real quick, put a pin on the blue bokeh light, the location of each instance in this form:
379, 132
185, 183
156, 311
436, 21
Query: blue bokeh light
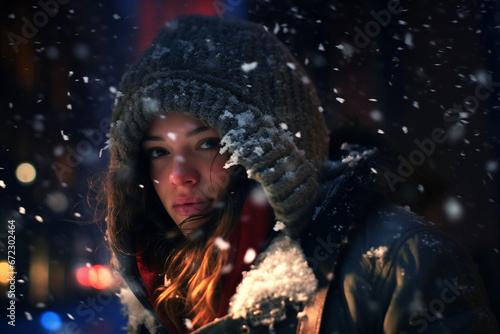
51, 321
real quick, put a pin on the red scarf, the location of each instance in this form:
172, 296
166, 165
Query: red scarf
249, 233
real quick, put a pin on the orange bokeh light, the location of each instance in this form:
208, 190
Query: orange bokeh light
99, 277
4, 272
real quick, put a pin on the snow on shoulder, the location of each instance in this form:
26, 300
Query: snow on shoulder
137, 314
281, 273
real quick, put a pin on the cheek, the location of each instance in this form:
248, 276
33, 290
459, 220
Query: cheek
158, 173
220, 176
159, 179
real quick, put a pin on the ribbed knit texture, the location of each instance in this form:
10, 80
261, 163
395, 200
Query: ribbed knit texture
239, 79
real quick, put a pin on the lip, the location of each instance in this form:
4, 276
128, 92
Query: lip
190, 205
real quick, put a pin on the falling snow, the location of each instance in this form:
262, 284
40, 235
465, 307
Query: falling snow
188, 323
376, 115
226, 269
151, 105
258, 197
166, 281
222, 244
64, 137
279, 226
250, 255
409, 40
491, 166
347, 50
453, 209
276, 28
247, 67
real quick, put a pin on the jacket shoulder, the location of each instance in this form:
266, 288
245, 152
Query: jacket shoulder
390, 236
400, 274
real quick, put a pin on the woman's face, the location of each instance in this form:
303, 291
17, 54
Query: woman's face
186, 167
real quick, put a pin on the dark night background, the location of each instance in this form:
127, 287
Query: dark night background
395, 75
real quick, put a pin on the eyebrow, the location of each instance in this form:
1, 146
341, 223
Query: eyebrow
196, 131
189, 134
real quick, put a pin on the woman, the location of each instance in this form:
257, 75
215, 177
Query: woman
225, 214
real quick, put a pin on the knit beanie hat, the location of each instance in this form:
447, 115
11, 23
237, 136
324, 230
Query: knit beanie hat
239, 79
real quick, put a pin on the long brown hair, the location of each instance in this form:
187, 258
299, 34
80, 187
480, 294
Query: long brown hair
192, 266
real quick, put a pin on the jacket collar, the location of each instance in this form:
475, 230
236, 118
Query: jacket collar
349, 187
289, 272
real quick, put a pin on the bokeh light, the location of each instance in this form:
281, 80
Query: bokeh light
82, 276
453, 209
100, 277
51, 321
57, 201
26, 173
4, 269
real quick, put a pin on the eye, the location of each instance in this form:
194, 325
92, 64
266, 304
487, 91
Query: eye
156, 153
210, 144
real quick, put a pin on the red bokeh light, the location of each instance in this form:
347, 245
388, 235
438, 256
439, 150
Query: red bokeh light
97, 276
82, 276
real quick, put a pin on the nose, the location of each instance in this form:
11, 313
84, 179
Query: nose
183, 173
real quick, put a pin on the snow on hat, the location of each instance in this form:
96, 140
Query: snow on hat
239, 79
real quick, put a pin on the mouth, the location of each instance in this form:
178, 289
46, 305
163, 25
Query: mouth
190, 205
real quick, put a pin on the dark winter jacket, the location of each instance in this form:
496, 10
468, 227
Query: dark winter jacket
385, 269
